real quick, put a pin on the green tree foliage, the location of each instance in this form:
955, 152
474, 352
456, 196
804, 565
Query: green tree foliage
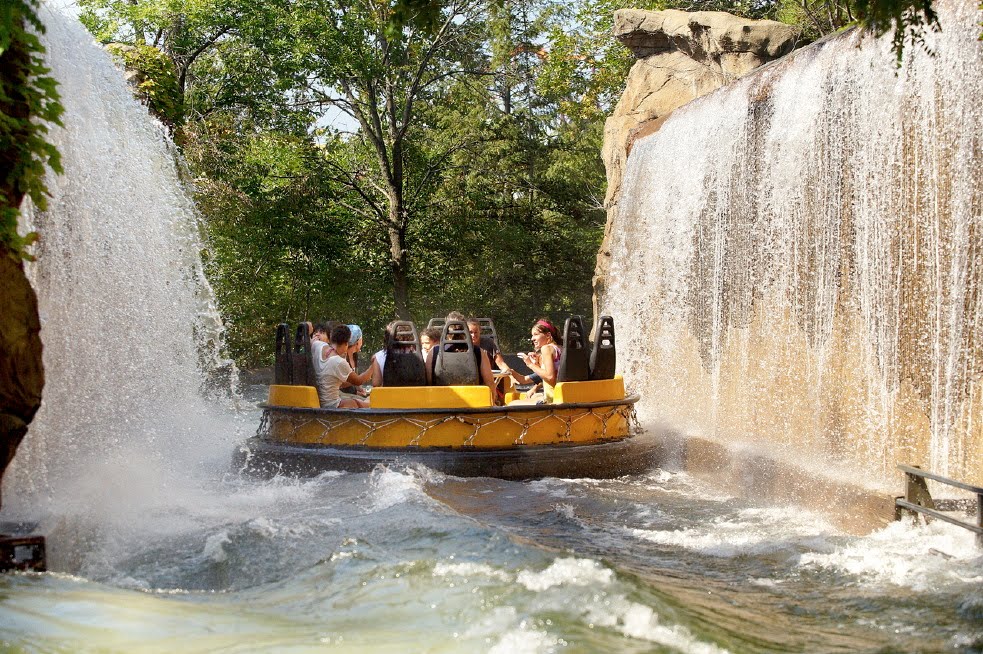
28, 103
519, 218
584, 68
259, 184
367, 159
350, 63
271, 252
907, 20
155, 82
194, 57
519, 223
182, 31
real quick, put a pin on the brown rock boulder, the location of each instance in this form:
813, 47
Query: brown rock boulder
681, 56
21, 371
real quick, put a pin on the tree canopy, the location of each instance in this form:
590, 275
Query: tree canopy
368, 159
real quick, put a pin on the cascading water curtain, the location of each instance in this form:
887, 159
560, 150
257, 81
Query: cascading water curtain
129, 326
799, 258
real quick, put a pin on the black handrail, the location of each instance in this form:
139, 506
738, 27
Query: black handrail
917, 499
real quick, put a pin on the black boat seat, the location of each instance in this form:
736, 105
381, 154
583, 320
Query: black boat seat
489, 336
488, 333
574, 359
300, 359
603, 355
404, 365
282, 370
456, 364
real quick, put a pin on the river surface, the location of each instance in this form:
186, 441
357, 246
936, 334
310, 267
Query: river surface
410, 560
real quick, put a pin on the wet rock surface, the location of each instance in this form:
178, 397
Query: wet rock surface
681, 56
21, 371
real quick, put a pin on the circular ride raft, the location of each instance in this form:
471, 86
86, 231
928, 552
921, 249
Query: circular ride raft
592, 439
445, 422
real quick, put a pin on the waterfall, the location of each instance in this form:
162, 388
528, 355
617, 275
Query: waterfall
129, 326
799, 258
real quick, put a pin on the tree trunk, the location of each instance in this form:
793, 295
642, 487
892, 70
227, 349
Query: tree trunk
398, 259
398, 224
400, 268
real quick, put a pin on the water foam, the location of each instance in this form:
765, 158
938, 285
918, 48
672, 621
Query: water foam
392, 487
642, 623
753, 531
566, 572
525, 640
920, 557
468, 570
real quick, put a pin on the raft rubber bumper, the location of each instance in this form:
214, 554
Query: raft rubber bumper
262, 458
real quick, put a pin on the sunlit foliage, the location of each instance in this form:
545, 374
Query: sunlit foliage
29, 102
367, 159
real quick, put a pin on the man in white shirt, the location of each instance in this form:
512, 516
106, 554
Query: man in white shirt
331, 368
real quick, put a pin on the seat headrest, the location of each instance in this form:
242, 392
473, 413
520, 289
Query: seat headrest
575, 359
456, 364
283, 370
303, 366
603, 357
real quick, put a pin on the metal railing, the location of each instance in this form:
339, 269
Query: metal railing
917, 499
19, 550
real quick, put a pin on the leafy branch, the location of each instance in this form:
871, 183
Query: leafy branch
29, 102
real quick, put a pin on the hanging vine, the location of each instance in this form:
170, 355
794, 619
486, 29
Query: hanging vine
29, 103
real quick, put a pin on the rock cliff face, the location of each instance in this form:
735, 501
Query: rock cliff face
21, 371
797, 263
681, 56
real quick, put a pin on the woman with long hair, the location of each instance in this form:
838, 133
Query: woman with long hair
545, 360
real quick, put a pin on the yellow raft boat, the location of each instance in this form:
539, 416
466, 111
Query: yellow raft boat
586, 432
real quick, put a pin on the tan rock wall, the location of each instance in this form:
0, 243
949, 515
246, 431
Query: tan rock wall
798, 264
681, 56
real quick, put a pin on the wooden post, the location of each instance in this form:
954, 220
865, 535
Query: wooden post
916, 490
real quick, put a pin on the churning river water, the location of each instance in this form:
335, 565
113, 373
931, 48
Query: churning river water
401, 560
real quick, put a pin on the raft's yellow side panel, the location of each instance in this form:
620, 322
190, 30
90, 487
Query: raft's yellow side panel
551, 426
299, 396
602, 390
431, 397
